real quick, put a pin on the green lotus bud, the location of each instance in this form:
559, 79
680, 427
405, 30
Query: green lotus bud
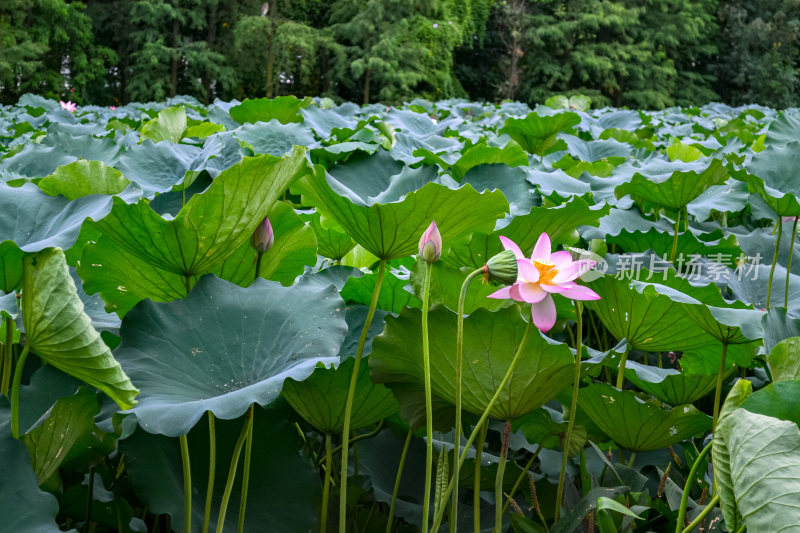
501, 268
263, 237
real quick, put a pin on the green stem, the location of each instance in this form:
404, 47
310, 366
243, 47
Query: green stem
259, 256
573, 406
687, 488
459, 370
742, 529
15, 391
348, 407
631, 459
789, 266
8, 355
498, 480
212, 468
437, 519
397, 479
426, 361
187, 485
622, 362
248, 451
702, 516
521, 476
357, 438
237, 451
774, 261
326, 487
720, 379
476, 484
675, 237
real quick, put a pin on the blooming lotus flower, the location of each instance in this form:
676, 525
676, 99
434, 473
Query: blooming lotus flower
69, 106
430, 244
112, 107
544, 274
263, 237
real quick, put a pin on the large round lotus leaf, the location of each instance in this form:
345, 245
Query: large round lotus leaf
59, 331
10, 266
285, 488
284, 109
320, 398
83, 178
23, 506
169, 125
770, 174
757, 455
34, 220
446, 284
669, 385
784, 359
646, 318
332, 241
392, 230
559, 223
678, 189
688, 243
224, 347
212, 225
539, 134
638, 425
490, 342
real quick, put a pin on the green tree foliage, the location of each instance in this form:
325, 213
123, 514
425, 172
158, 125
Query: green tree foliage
636, 53
760, 38
47, 47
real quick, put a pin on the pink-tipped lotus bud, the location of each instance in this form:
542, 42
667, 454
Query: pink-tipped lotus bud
430, 244
263, 237
502, 268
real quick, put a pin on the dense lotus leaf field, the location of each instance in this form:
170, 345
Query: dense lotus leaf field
240, 317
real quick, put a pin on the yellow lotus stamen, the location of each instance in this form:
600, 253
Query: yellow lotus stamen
547, 270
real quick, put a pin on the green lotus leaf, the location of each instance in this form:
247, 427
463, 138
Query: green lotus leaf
62, 334
203, 130
646, 425
157, 168
511, 155
23, 506
711, 245
731, 197
320, 398
284, 486
490, 342
678, 189
10, 266
67, 431
35, 221
169, 125
294, 248
333, 242
780, 399
784, 360
83, 178
784, 129
538, 134
669, 385
273, 137
646, 318
758, 460
560, 223
393, 296
572, 520
284, 109
770, 175
578, 102
512, 182
123, 279
392, 230
212, 225
225, 347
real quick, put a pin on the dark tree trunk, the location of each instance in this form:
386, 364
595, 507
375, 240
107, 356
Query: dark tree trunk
367, 79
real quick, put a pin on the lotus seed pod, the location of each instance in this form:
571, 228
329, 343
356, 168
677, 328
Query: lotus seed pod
501, 268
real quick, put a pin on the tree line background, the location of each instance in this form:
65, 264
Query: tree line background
638, 53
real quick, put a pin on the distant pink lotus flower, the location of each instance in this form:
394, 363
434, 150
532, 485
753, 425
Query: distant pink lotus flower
788, 219
544, 274
69, 106
112, 107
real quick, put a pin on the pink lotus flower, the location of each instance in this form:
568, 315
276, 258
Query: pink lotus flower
430, 244
112, 107
544, 274
69, 106
788, 219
